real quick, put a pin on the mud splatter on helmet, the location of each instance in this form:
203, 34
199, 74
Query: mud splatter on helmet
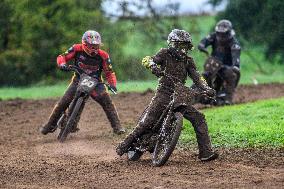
180, 40
91, 42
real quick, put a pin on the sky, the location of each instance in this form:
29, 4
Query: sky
186, 6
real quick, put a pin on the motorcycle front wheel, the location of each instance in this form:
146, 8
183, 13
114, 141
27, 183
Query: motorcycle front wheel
71, 121
168, 138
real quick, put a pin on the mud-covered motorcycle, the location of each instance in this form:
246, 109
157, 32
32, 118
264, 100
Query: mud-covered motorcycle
70, 118
162, 138
215, 80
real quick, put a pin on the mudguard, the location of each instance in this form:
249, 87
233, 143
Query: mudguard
184, 96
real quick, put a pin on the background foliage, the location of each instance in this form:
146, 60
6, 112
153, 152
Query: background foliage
34, 32
259, 22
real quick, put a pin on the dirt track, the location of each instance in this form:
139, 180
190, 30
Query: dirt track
88, 160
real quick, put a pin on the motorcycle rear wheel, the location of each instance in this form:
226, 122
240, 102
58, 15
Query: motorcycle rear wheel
169, 135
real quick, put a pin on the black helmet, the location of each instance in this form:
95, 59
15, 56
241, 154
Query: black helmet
180, 40
224, 30
223, 26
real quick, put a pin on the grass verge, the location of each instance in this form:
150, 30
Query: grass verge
258, 124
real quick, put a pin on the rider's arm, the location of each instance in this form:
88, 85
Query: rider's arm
197, 79
157, 59
236, 52
107, 68
205, 42
62, 59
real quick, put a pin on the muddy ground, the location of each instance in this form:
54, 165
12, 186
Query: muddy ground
88, 160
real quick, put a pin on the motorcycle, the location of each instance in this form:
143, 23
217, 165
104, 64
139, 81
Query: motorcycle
162, 138
70, 118
215, 80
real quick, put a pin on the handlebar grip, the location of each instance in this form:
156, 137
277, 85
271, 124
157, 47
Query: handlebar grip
110, 88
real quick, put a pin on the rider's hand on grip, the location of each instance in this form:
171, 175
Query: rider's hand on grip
236, 69
147, 61
64, 67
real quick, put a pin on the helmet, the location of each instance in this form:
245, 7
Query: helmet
180, 40
224, 30
223, 26
91, 42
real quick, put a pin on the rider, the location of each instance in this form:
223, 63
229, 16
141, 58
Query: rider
89, 57
174, 62
226, 49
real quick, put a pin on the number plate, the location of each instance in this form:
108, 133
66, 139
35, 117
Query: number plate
88, 83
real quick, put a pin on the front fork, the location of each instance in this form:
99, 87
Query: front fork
64, 117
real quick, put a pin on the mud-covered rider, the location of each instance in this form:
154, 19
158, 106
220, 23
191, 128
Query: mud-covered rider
173, 61
227, 50
94, 61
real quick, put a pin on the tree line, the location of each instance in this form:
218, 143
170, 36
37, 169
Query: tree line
34, 32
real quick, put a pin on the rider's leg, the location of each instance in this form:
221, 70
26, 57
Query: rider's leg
199, 124
103, 98
154, 111
230, 79
218, 83
60, 107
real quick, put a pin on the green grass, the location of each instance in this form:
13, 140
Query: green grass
57, 90
258, 124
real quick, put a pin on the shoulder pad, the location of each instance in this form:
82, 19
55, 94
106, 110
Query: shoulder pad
77, 47
74, 48
103, 54
211, 36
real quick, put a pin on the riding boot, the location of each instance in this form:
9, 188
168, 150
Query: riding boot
105, 101
199, 124
59, 108
124, 146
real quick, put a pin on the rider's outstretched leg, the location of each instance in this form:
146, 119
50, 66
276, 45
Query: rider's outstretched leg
199, 124
152, 114
230, 80
60, 107
105, 101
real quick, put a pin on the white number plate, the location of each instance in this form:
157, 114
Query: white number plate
87, 83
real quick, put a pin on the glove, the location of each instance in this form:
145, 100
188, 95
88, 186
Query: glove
147, 61
236, 69
64, 67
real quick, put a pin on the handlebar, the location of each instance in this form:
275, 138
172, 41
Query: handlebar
201, 92
80, 71
77, 69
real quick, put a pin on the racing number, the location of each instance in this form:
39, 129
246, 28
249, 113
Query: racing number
87, 83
